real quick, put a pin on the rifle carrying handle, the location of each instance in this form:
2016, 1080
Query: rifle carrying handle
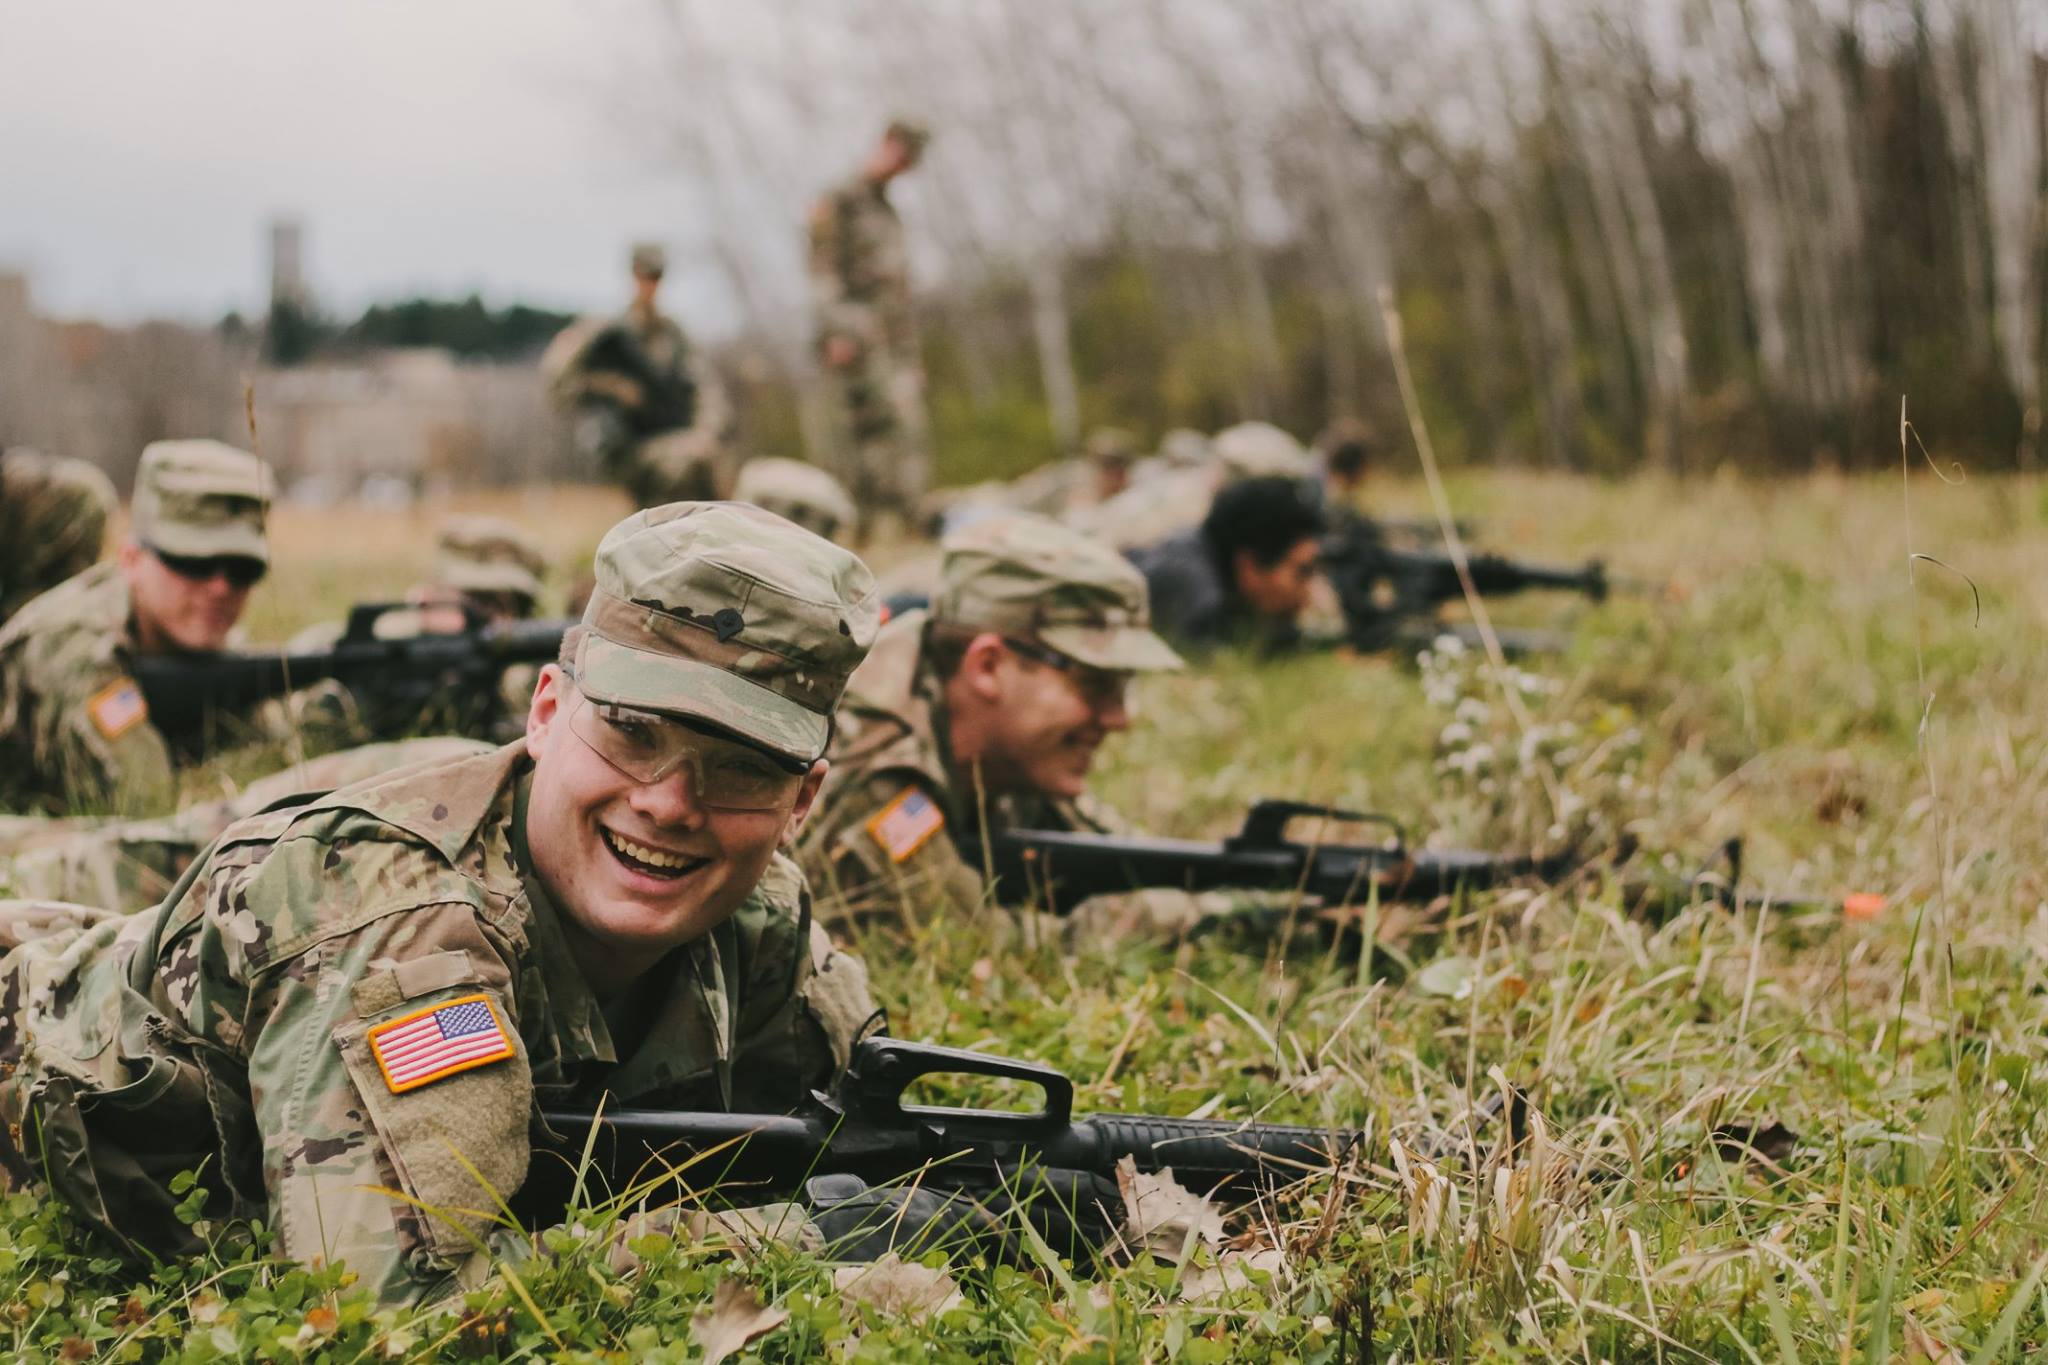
1265, 825
881, 1069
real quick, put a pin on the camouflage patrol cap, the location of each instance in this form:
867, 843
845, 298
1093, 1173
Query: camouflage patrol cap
1184, 447
1259, 450
727, 614
202, 498
1111, 446
804, 493
649, 258
490, 554
1031, 577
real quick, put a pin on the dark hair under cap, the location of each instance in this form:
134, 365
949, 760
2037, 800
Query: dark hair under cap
1268, 517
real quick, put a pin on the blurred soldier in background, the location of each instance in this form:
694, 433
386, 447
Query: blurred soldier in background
867, 334
1068, 490
799, 492
1174, 502
487, 571
129, 865
1343, 456
646, 409
53, 522
1246, 574
74, 727
991, 705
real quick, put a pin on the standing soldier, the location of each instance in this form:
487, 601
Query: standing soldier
867, 335
53, 523
645, 407
74, 727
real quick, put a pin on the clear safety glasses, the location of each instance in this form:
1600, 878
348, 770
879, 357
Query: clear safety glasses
724, 774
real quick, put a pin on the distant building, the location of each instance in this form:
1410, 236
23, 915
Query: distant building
288, 266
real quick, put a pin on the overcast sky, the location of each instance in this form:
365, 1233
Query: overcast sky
429, 146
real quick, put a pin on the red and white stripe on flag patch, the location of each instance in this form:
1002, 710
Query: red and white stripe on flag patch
439, 1041
904, 825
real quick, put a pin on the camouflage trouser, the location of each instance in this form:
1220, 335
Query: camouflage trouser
883, 439
131, 864
53, 520
675, 466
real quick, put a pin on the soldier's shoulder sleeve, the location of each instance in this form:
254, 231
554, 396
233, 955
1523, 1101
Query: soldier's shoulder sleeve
385, 1053
887, 845
93, 742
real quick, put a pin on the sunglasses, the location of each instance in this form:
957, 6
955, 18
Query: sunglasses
724, 774
1099, 687
239, 570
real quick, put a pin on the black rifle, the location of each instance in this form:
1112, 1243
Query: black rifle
865, 1130
668, 397
449, 680
1384, 592
1058, 869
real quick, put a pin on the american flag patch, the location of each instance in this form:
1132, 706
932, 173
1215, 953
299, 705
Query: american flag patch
117, 708
903, 826
439, 1041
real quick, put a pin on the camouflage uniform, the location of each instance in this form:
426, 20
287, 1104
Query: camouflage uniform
53, 523
239, 1027
803, 493
663, 437
130, 865
74, 728
860, 291
897, 821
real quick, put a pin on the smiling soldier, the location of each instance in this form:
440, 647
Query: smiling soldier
996, 700
74, 728
348, 1014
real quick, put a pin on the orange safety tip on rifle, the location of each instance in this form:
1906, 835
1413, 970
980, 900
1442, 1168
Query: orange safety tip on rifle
1863, 905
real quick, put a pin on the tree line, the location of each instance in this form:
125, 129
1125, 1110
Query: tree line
1621, 233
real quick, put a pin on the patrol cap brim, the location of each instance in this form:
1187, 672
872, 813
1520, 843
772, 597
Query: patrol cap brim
470, 576
239, 538
1122, 649
608, 671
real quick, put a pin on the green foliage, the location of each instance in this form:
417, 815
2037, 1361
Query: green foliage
465, 326
1770, 682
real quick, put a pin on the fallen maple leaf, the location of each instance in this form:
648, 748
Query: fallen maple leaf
734, 1318
894, 1285
1205, 1283
1921, 1342
1163, 1216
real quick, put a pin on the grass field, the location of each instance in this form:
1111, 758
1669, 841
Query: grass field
1751, 1137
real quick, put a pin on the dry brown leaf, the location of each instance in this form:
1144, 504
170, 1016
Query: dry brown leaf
1204, 1284
1160, 1213
895, 1285
734, 1318
1923, 1344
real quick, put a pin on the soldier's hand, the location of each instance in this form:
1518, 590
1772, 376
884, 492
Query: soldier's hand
841, 351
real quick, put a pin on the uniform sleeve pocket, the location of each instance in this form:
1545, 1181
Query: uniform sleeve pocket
447, 1087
